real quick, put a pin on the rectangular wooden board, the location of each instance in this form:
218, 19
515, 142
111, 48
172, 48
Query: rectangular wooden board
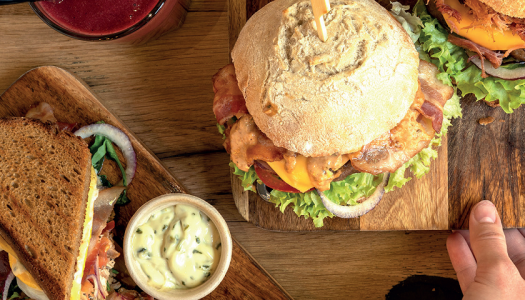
474, 163
73, 102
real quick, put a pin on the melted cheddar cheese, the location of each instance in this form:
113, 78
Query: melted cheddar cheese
487, 37
298, 178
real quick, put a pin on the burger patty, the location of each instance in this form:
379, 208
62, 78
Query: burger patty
246, 143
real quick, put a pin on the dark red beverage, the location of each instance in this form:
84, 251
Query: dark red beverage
133, 21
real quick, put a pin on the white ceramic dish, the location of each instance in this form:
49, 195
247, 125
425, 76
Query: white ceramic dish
161, 202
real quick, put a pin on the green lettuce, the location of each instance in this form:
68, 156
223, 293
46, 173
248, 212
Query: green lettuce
452, 62
410, 22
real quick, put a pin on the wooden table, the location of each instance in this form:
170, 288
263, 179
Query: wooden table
162, 92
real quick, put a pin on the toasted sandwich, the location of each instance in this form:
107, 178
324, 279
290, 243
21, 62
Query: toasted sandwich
48, 191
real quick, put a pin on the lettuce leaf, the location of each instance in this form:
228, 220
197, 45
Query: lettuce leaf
452, 62
410, 22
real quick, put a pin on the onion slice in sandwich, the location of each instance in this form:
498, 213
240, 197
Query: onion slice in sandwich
7, 284
118, 137
343, 211
501, 72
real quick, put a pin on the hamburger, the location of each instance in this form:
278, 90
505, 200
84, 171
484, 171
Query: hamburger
479, 45
329, 126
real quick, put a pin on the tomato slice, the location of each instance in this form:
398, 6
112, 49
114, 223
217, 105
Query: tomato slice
273, 181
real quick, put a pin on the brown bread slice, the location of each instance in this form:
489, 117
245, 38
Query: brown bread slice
44, 185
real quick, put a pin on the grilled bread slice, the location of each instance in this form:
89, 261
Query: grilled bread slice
44, 184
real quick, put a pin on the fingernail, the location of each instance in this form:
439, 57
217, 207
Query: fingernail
485, 212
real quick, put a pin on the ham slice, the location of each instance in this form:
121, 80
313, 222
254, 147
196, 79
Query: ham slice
101, 244
228, 101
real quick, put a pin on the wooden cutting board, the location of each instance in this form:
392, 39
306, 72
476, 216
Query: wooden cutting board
477, 162
73, 102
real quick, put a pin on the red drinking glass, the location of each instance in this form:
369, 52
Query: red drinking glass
125, 21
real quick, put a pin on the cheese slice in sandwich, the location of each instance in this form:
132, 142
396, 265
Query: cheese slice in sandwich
48, 188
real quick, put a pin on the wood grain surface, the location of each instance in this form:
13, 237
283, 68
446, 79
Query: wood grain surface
485, 162
73, 102
162, 92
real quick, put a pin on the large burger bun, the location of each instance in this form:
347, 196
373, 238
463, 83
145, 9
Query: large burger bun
319, 98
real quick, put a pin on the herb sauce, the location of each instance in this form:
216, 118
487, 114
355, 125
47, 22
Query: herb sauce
177, 248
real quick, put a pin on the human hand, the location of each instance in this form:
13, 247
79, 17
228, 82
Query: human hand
489, 262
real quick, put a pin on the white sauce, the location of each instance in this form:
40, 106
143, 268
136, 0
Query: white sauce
177, 248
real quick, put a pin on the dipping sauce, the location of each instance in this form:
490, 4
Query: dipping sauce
178, 247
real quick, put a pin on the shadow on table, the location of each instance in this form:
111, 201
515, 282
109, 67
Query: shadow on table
426, 287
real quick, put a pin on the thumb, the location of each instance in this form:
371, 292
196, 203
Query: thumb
488, 242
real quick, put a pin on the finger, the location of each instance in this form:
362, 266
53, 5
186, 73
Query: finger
488, 244
462, 259
516, 249
465, 234
522, 231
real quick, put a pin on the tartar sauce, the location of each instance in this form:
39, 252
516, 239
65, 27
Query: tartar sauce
178, 247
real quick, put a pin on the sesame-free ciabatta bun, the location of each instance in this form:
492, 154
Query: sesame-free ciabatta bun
319, 98
513, 8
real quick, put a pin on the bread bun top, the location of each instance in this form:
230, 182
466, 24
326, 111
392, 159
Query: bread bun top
319, 98
513, 8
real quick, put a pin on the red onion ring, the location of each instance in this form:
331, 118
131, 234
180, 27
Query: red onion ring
343, 211
94, 280
97, 275
7, 284
120, 139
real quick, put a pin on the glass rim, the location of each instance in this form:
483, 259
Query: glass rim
97, 38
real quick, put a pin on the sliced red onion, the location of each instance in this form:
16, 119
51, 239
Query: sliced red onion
97, 275
94, 280
7, 284
118, 137
503, 73
360, 209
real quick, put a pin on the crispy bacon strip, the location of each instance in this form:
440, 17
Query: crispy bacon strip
495, 58
435, 92
228, 100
